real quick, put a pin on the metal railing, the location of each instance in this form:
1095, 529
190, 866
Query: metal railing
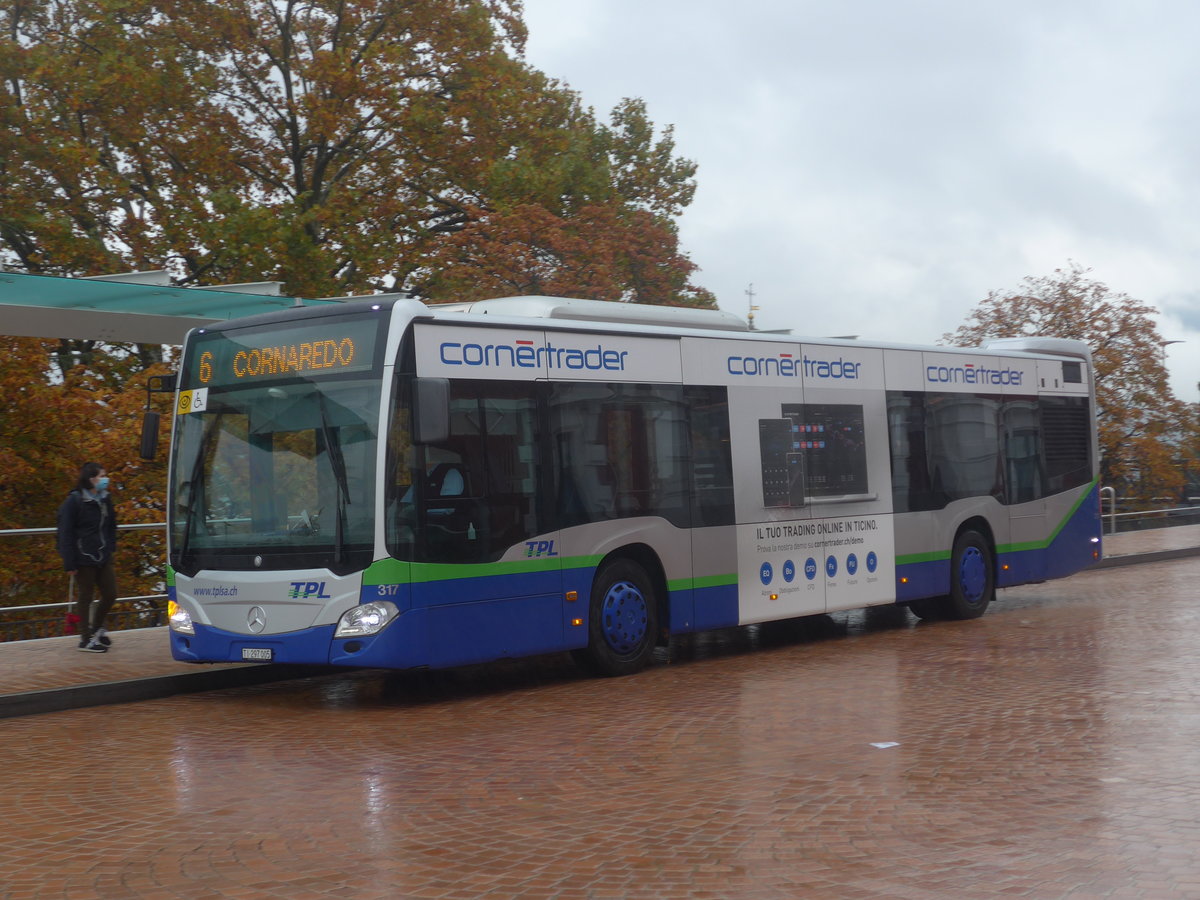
1111, 494
149, 616
149, 610
1143, 519
142, 611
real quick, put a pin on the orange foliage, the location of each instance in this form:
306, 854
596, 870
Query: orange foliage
1141, 423
336, 147
47, 430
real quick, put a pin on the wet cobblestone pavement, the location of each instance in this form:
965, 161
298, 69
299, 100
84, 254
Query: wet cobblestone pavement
1050, 749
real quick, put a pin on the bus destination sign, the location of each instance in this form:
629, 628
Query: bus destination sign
319, 347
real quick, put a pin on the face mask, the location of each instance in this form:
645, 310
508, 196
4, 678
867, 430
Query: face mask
102, 483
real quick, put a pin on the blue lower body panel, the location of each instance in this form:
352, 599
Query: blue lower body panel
208, 644
716, 607
1074, 547
924, 579
432, 636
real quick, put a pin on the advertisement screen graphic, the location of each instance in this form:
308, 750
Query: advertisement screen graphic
831, 439
782, 466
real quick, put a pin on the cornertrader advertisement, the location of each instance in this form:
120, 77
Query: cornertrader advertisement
810, 566
450, 351
808, 426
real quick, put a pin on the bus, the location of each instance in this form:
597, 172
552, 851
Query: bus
387, 484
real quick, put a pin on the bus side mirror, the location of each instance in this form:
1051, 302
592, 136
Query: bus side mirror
431, 397
155, 384
160, 384
149, 447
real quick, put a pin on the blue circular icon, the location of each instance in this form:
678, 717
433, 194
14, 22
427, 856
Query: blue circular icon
789, 571
766, 573
872, 561
851, 564
810, 568
831, 566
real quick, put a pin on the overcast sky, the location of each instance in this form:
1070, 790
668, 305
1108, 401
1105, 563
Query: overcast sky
876, 167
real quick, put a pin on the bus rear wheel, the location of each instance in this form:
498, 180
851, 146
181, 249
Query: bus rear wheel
972, 582
972, 577
622, 620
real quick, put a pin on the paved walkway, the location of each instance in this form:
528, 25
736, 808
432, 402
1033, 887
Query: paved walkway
1151, 544
1047, 750
50, 674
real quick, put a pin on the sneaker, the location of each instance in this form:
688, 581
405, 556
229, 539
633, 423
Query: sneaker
102, 636
93, 646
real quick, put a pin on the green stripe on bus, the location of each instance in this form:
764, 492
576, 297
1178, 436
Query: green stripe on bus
704, 581
386, 571
939, 555
1042, 545
912, 558
393, 571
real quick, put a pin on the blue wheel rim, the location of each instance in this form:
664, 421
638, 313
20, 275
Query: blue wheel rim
972, 575
623, 617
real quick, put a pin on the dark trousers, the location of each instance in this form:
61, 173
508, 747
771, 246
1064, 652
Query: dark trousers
88, 579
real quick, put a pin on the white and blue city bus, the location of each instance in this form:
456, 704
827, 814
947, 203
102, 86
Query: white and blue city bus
395, 485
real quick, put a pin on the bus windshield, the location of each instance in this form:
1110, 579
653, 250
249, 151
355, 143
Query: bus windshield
278, 476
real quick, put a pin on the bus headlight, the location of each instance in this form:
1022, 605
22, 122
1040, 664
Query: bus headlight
369, 618
179, 619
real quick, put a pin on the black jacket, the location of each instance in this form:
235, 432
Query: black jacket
87, 530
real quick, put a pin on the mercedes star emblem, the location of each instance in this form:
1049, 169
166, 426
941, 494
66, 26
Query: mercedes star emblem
256, 619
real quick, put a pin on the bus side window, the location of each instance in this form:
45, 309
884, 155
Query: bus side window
1022, 453
622, 451
711, 460
964, 446
912, 487
1066, 441
480, 484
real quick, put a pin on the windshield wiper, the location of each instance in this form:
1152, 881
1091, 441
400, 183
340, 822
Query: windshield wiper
341, 486
196, 484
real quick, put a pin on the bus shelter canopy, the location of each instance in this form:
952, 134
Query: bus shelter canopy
123, 308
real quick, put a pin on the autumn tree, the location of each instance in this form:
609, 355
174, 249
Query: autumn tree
47, 429
552, 228
336, 147
1139, 419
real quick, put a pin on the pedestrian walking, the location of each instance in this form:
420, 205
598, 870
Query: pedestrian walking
87, 538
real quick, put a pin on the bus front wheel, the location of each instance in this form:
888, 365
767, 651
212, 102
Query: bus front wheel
622, 620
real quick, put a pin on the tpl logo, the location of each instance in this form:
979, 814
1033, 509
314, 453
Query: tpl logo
540, 548
306, 590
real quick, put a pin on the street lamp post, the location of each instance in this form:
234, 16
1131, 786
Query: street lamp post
1162, 346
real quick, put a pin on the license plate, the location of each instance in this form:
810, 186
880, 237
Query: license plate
261, 654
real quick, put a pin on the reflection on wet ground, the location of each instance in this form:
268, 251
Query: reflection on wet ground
1046, 750
425, 686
